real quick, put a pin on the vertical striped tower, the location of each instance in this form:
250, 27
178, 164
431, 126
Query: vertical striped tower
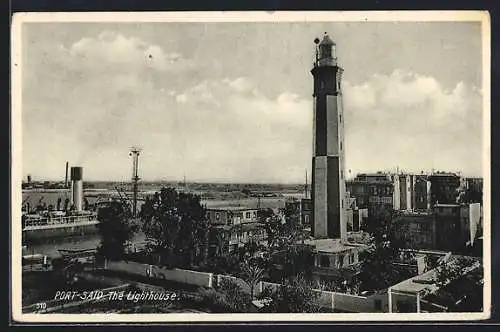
328, 184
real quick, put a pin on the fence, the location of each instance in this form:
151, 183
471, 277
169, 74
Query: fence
341, 301
177, 275
330, 300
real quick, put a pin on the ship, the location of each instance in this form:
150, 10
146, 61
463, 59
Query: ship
51, 224
73, 220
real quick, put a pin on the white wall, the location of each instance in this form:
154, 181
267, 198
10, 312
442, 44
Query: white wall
346, 302
331, 300
177, 275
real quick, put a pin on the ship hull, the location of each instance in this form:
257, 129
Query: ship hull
40, 233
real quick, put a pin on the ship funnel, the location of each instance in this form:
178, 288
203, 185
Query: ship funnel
66, 178
76, 192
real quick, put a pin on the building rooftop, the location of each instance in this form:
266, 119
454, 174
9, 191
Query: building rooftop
422, 283
370, 180
230, 208
331, 245
446, 205
443, 174
417, 284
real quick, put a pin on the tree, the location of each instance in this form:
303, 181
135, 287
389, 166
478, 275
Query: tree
227, 297
377, 268
222, 260
295, 295
265, 215
116, 230
298, 260
292, 212
282, 235
455, 268
176, 228
252, 271
460, 283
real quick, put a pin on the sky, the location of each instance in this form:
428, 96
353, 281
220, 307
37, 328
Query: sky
232, 102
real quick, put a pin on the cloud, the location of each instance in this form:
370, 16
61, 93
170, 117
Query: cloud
89, 101
403, 119
410, 120
121, 53
236, 132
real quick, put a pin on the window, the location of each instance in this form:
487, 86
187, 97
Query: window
340, 115
217, 216
378, 304
306, 219
247, 215
324, 261
342, 174
340, 145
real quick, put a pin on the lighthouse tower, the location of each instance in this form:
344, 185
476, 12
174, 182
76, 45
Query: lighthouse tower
328, 182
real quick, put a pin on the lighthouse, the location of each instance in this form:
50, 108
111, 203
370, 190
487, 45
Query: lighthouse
328, 178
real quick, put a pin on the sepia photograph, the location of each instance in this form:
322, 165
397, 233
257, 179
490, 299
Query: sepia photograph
250, 166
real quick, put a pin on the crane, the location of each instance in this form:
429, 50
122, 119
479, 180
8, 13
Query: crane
134, 153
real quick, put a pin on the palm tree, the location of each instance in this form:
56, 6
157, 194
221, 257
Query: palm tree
221, 243
252, 273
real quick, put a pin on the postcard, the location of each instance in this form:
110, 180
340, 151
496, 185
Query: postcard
250, 166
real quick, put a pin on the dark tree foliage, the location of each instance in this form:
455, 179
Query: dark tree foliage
265, 215
377, 268
225, 264
284, 247
298, 260
176, 228
116, 230
454, 269
282, 235
291, 211
460, 282
295, 295
226, 297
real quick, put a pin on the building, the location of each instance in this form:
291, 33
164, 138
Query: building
416, 230
405, 191
328, 186
224, 239
448, 227
443, 188
334, 259
422, 193
302, 209
374, 192
471, 222
422, 293
471, 190
231, 215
